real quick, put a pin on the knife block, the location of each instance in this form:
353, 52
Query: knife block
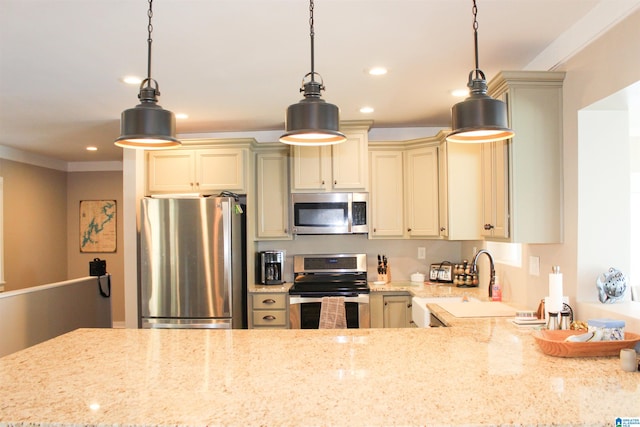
386, 278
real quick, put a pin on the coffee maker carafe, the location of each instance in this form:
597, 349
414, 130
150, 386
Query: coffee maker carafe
271, 267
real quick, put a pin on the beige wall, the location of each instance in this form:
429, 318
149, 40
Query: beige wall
96, 186
35, 225
41, 226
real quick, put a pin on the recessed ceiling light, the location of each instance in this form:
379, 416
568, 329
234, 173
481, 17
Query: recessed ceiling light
460, 92
92, 148
367, 110
181, 116
131, 80
377, 71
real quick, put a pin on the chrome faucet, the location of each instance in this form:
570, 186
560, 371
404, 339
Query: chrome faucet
492, 273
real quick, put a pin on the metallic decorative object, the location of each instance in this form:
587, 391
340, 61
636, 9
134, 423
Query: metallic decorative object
312, 121
479, 118
148, 125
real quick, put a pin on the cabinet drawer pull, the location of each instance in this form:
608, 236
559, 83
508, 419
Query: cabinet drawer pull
488, 227
269, 301
269, 317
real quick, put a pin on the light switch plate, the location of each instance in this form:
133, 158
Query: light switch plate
534, 266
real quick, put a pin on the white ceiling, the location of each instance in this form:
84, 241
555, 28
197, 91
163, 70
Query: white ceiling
235, 65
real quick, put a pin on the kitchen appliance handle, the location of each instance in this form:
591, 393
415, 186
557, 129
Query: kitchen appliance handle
299, 299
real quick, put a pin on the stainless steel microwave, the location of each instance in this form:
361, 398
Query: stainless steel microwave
329, 213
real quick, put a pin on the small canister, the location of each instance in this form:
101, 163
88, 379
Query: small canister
552, 323
565, 319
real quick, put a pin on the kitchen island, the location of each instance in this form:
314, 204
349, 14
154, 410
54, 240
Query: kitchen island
477, 372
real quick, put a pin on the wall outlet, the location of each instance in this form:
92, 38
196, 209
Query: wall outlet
534, 265
422, 253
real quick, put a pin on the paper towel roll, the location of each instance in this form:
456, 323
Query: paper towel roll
555, 290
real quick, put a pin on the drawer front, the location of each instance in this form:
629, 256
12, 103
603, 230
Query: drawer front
269, 301
269, 318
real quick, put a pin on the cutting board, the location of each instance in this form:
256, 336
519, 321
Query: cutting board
478, 309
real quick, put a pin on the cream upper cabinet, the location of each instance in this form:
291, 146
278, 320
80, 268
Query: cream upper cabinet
421, 192
272, 192
495, 190
386, 199
339, 167
527, 170
460, 190
197, 170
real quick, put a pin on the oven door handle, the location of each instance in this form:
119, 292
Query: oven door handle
299, 299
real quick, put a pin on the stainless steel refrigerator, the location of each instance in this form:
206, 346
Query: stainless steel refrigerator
192, 263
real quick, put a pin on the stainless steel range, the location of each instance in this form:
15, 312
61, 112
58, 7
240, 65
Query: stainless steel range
317, 276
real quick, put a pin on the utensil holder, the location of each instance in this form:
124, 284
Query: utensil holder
386, 278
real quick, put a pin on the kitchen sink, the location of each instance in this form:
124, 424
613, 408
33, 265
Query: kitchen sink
423, 317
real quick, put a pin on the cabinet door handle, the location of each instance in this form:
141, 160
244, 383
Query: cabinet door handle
408, 305
269, 317
409, 229
323, 182
269, 301
442, 228
335, 182
488, 227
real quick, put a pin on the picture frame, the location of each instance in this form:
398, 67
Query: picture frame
98, 226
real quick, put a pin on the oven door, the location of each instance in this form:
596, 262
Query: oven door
304, 311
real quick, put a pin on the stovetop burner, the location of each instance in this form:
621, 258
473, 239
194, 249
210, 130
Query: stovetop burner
330, 275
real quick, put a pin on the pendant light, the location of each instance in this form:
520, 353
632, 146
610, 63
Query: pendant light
148, 125
312, 121
479, 118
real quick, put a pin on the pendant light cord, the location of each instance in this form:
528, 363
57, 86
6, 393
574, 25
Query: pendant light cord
475, 34
312, 36
149, 42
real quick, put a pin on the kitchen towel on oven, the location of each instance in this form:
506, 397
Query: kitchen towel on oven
332, 313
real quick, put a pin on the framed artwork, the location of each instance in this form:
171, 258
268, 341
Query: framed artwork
97, 226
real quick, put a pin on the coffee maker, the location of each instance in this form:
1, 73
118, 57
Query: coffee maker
271, 267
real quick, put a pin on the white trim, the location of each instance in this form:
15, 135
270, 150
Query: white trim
20, 156
30, 158
606, 14
94, 166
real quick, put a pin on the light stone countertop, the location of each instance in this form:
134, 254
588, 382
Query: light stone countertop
477, 372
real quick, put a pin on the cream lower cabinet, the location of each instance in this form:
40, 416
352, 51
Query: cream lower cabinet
386, 198
272, 188
421, 192
268, 310
526, 188
197, 170
340, 167
390, 309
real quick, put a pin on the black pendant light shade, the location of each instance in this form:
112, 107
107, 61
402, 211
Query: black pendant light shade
147, 125
312, 121
479, 118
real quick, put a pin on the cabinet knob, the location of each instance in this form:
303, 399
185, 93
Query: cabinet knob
286, 231
488, 227
408, 305
269, 317
374, 230
335, 182
323, 182
409, 229
269, 301
443, 228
